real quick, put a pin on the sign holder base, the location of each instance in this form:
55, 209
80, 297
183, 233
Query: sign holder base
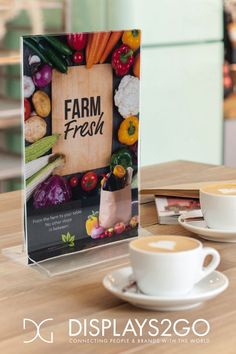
74, 261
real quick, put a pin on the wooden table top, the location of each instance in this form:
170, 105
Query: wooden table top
26, 293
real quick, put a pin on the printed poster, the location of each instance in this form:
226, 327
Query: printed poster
81, 129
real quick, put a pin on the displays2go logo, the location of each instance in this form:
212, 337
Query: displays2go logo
131, 328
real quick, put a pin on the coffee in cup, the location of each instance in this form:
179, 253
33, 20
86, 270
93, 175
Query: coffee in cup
170, 265
167, 244
218, 204
221, 189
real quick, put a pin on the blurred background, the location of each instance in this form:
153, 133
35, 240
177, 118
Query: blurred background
188, 67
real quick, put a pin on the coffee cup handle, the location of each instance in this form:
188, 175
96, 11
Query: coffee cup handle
208, 251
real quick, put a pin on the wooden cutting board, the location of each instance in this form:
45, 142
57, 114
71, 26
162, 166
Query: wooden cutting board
82, 112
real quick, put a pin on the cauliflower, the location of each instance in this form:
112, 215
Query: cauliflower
127, 96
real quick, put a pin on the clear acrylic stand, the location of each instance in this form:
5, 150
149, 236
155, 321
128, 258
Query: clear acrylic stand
74, 261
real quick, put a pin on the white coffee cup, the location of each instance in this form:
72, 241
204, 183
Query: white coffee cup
170, 265
218, 204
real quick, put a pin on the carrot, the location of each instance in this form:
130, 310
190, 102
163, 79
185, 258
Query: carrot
113, 40
88, 47
102, 46
94, 49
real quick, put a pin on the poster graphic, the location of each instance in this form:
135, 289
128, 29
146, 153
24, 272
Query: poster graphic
81, 128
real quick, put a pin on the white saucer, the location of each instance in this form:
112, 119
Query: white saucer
200, 228
206, 289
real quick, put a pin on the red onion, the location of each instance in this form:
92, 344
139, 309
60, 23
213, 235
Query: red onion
43, 76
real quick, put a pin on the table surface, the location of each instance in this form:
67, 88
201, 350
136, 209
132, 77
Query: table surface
26, 293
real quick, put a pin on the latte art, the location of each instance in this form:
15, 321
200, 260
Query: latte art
221, 189
165, 244
227, 190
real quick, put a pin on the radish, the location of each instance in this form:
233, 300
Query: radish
97, 231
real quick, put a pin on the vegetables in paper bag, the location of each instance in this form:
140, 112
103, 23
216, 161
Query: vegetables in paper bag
121, 157
115, 180
119, 171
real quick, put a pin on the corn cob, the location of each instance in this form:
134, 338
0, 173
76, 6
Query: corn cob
40, 147
40, 176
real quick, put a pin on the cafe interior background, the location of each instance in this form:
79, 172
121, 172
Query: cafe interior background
188, 88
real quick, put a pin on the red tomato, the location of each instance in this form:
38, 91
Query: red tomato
77, 41
27, 108
89, 181
78, 57
74, 181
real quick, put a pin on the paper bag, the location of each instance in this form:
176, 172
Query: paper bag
115, 207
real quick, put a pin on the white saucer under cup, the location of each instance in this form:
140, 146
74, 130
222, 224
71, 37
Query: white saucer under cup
118, 283
200, 228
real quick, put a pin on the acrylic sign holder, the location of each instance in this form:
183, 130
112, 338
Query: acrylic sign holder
61, 239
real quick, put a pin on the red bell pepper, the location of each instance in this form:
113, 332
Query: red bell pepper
122, 60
